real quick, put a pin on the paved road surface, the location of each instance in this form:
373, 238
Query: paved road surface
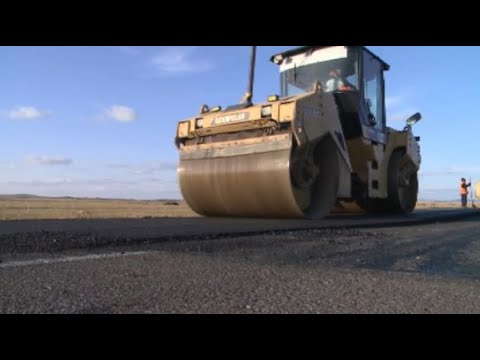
431, 267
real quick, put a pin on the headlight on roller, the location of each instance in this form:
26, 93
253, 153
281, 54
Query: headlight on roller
266, 111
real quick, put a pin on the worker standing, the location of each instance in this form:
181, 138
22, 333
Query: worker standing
464, 191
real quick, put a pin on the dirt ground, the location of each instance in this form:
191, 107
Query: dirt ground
12, 208
58, 208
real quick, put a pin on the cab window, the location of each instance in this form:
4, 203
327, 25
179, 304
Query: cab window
373, 90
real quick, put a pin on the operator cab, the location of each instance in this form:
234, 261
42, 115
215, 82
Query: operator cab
353, 74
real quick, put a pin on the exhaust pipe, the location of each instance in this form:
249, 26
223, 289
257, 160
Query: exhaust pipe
247, 98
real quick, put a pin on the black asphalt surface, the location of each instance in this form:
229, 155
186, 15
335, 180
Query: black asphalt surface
431, 264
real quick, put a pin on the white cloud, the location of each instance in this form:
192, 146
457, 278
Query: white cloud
391, 101
148, 189
461, 169
440, 172
49, 160
179, 60
120, 113
155, 167
7, 165
27, 113
467, 168
46, 182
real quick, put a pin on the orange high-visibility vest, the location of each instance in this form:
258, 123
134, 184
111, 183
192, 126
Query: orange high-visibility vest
463, 189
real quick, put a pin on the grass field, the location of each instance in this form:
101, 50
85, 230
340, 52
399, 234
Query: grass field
12, 208
28, 208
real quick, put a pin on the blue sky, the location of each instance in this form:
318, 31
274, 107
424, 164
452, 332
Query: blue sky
100, 121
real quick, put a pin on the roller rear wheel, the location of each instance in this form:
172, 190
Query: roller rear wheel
402, 185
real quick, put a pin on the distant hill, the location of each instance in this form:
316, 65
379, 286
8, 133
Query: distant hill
29, 196
26, 196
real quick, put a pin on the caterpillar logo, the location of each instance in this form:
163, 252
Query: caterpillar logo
231, 118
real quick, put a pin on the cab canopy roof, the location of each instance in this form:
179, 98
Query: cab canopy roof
306, 49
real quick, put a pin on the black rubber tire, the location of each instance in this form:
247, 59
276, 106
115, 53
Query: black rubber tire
324, 190
401, 200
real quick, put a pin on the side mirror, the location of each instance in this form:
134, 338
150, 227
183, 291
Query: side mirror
412, 120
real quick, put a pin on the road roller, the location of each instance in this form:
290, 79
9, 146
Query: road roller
320, 146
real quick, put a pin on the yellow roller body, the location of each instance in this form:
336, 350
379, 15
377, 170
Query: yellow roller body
253, 178
289, 164
302, 155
